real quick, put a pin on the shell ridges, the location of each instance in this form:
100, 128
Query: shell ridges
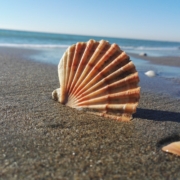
99, 77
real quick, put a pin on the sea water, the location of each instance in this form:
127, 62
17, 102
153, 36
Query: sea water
51, 47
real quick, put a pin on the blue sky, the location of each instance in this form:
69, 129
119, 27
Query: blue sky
139, 19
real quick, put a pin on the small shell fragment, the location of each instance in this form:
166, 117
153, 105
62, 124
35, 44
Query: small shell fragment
150, 73
100, 77
173, 148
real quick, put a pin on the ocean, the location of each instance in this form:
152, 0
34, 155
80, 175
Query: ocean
51, 47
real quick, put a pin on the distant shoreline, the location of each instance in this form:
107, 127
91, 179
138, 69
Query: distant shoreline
161, 60
173, 61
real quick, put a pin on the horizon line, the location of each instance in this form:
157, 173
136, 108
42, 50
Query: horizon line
47, 32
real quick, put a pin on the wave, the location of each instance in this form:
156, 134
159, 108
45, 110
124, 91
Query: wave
33, 45
151, 48
65, 46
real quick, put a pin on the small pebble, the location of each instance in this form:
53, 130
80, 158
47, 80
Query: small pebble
79, 109
150, 73
142, 54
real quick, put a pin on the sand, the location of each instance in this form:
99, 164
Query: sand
42, 139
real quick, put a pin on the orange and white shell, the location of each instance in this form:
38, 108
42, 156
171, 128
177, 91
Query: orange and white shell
98, 77
173, 148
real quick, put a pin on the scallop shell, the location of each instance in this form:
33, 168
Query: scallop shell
100, 78
173, 148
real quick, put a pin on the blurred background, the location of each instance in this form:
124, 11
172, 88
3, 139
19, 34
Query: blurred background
139, 27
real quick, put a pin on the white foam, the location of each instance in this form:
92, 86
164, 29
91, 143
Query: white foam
150, 48
142, 48
33, 45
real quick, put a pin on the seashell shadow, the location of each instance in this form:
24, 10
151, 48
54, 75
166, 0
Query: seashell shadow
168, 140
157, 115
170, 144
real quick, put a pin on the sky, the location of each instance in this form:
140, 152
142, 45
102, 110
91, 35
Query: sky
137, 19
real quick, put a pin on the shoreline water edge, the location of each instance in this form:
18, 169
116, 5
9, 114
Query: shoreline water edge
167, 69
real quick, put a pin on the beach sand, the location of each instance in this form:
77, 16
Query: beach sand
42, 139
